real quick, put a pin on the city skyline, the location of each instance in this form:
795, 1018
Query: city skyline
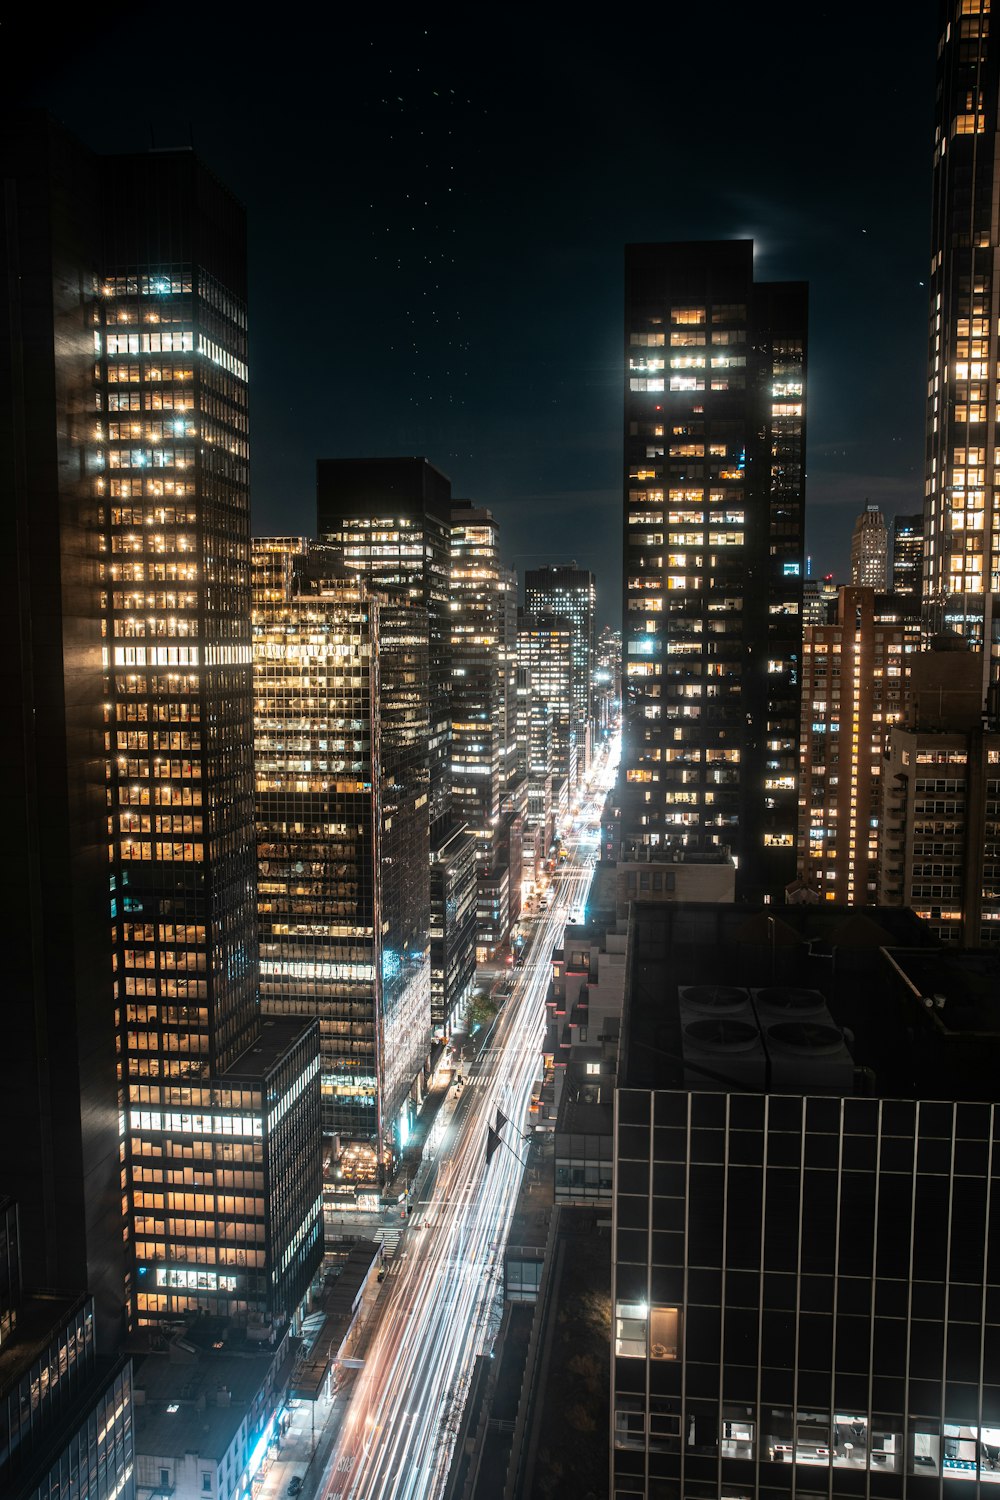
460, 1046
504, 187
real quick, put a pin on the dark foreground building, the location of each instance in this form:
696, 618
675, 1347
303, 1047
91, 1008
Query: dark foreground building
58, 1094
65, 1410
713, 556
806, 1235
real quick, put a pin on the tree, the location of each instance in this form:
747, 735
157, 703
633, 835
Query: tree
481, 1010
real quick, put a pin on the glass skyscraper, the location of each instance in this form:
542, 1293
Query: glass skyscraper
390, 520
478, 718
713, 556
142, 330
572, 593
343, 929
961, 516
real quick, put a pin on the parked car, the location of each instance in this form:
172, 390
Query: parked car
294, 1484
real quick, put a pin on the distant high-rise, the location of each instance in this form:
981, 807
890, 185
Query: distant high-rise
819, 600
940, 813
870, 550
390, 519
961, 512
508, 672
545, 649
855, 687
535, 755
713, 556
907, 554
477, 688
570, 592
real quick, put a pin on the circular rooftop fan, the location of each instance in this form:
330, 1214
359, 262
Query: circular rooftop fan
722, 1035
791, 1000
805, 1036
713, 996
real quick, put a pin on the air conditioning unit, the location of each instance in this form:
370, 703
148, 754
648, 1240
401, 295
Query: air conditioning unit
720, 1039
785, 1002
806, 1050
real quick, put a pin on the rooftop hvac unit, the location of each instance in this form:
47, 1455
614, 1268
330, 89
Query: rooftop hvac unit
808, 1056
786, 1003
712, 999
723, 1052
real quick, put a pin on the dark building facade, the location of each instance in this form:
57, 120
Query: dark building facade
58, 1092
453, 927
65, 1410
940, 811
807, 1252
908, 555
713, 555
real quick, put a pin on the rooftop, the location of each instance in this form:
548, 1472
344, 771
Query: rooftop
878, 1030
193, 1400
277, 1035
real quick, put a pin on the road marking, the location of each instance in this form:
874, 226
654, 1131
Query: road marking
390, 1241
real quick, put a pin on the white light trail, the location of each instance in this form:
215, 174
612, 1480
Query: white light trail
399, 1428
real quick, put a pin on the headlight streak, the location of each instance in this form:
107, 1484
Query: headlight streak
400, 1426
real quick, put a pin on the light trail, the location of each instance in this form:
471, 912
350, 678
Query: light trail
399, 1428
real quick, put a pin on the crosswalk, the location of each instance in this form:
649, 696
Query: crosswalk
390, 1240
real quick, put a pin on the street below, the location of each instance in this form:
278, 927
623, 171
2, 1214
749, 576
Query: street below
441, 1301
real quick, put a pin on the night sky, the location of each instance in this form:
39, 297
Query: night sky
437, 211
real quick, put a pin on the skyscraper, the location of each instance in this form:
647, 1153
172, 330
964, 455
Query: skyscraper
478, 759
481, 769
940, 814
870, 550
148, 526
572, 593
855, 687
908, 554
961, 514
545, 649
713, 555
390, 519
343, 930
